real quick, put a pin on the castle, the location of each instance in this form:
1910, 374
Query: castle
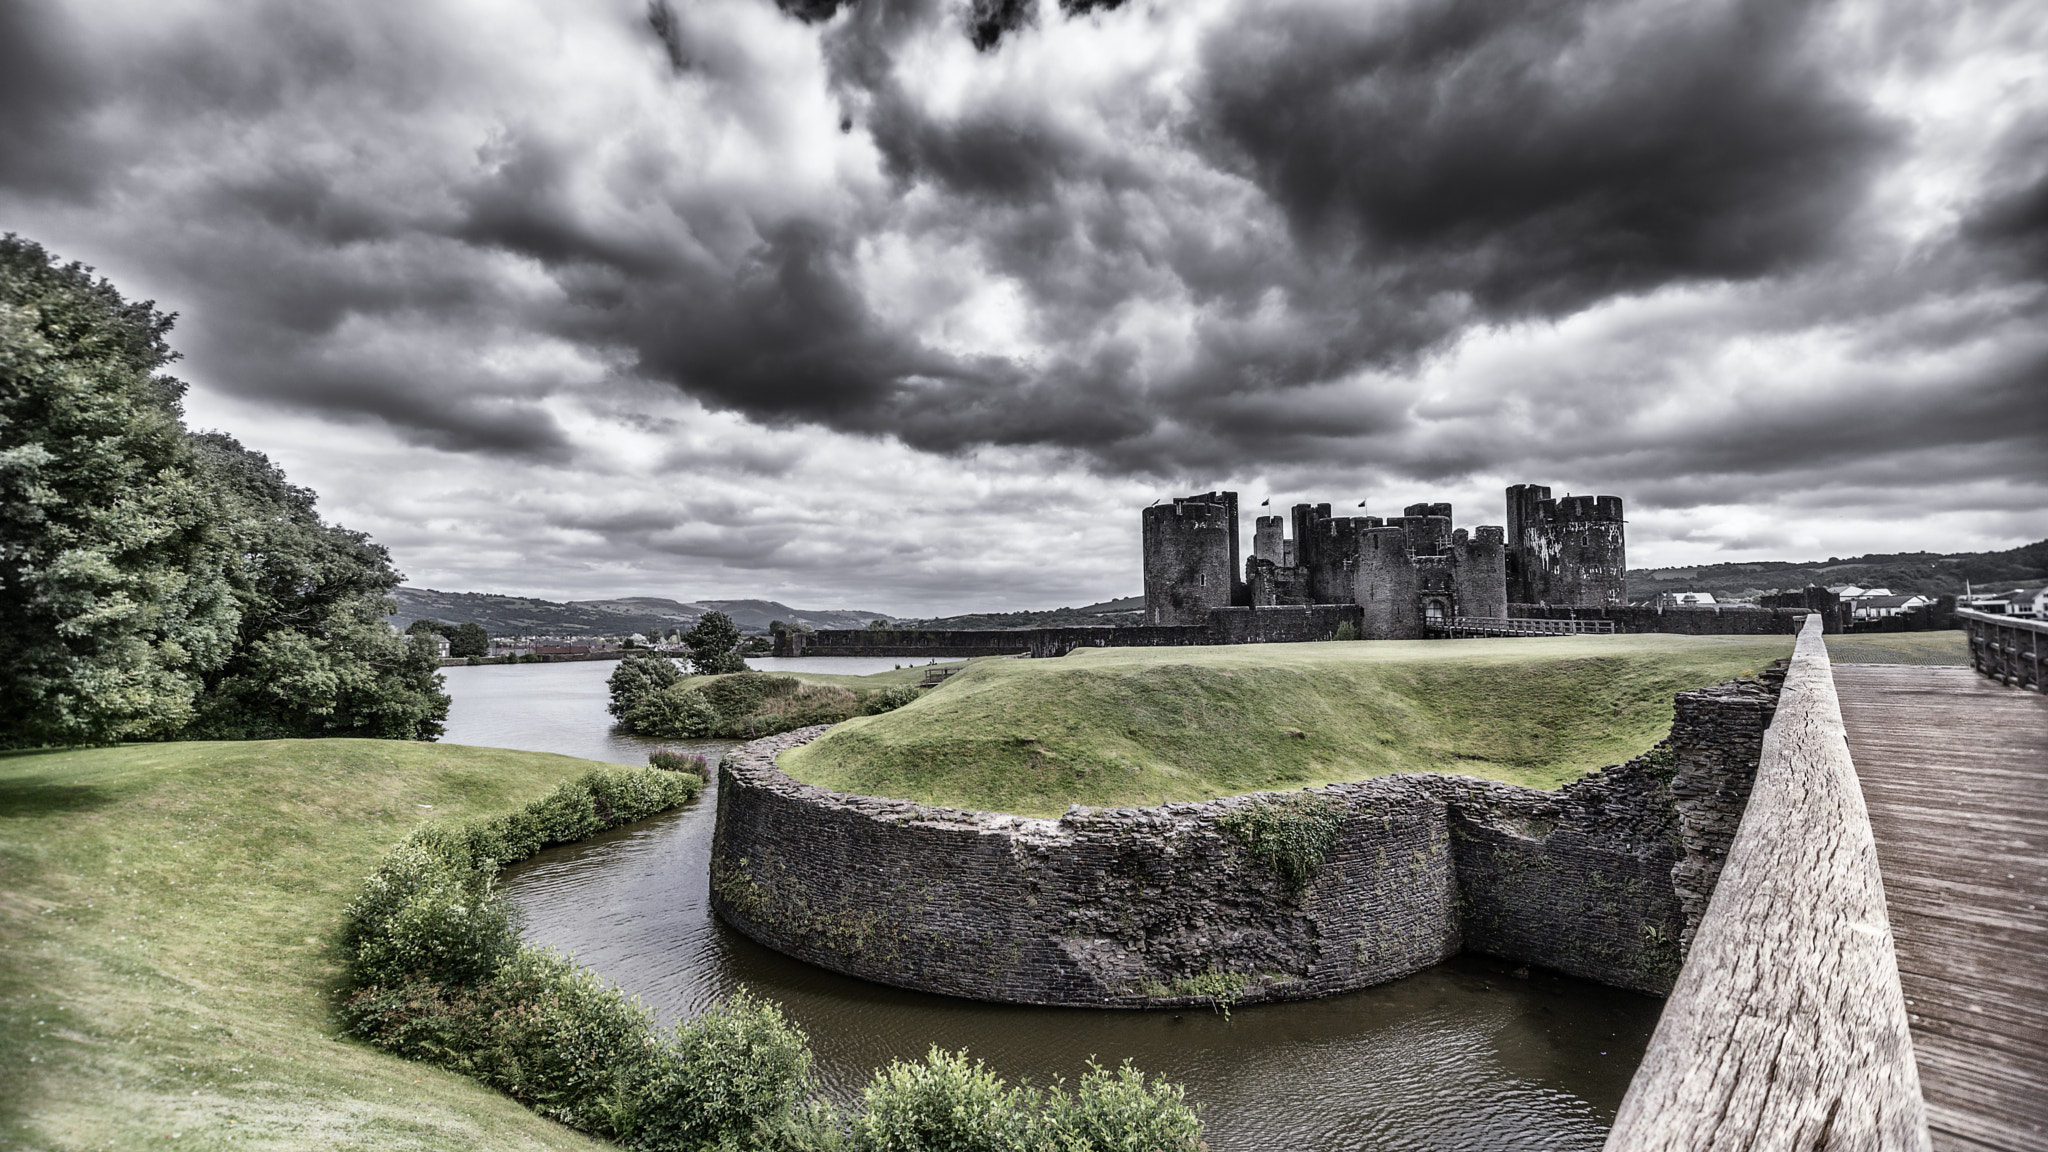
1404, 573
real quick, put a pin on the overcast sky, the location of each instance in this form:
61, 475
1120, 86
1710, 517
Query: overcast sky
911, 306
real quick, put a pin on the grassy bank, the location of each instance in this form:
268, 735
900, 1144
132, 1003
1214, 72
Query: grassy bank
1113, 727
1952, 647
166, 964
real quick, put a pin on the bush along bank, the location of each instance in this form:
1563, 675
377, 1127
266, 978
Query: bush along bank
436, 972
651, 698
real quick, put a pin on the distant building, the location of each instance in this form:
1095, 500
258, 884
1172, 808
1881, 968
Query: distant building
1879, 607
2030, 602
1685, 599
561, 649
510, 648
1406, 573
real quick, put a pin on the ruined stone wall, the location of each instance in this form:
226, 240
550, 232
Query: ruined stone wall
1045, 642
1190, 903
1275, 584
1705, 620
950, 643
1281, 624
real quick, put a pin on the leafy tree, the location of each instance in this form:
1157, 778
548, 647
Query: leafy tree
114, 589
313, 656
469, 640
638, 676
713, 645
157, 584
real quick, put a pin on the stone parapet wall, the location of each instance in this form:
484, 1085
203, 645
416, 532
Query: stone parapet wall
1702, 620
1179, 904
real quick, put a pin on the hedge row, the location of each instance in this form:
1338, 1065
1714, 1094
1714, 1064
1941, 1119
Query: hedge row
436, 972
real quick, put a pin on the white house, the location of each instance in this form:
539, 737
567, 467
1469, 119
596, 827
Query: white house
1878, 607
2028, 602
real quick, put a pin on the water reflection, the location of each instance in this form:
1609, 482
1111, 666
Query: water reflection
1465, 1056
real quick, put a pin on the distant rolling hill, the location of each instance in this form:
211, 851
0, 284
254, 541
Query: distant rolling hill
525, 616
1934, 574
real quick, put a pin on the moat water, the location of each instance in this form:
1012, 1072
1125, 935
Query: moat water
1466, 1056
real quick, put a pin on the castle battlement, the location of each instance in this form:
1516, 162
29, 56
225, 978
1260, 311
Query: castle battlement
1403, 572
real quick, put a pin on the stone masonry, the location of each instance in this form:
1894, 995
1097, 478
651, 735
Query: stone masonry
1178, 904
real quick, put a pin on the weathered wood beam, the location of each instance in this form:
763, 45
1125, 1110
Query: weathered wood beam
1787, 1029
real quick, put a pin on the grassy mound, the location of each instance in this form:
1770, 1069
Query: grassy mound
166, 963
1130, 726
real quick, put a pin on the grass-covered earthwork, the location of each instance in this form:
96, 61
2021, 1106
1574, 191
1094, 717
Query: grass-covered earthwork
167, 963
1952, 647
1134, 726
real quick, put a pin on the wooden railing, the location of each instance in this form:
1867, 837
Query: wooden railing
2006, 648
1454, 627
1787, 1029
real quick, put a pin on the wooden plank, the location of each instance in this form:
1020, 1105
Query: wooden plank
1787, 1029
1954, 769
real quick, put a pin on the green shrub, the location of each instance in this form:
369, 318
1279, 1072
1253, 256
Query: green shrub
942, 1105
1120, 1111
674, 713
639, 676
544, 1031
428, 915
715, 1080
889, 699
1347, 631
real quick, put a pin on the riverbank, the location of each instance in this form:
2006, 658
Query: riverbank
167, 968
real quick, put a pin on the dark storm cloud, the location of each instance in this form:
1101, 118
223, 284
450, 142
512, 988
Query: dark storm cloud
1331, 198
1436, 166
2010, 219
43, 97
1539, 155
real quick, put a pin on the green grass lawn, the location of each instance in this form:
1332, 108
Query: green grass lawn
1901, 648
166, 913
1109, 727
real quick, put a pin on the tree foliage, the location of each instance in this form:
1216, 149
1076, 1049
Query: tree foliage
638, 676
114, 593
314, 656
156, 584
469, 639
713, 643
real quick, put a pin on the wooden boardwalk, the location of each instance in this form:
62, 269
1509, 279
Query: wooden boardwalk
1954, 770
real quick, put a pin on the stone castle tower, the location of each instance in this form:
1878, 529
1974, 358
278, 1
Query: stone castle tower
1405, 572
1566, 553
1191, 559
